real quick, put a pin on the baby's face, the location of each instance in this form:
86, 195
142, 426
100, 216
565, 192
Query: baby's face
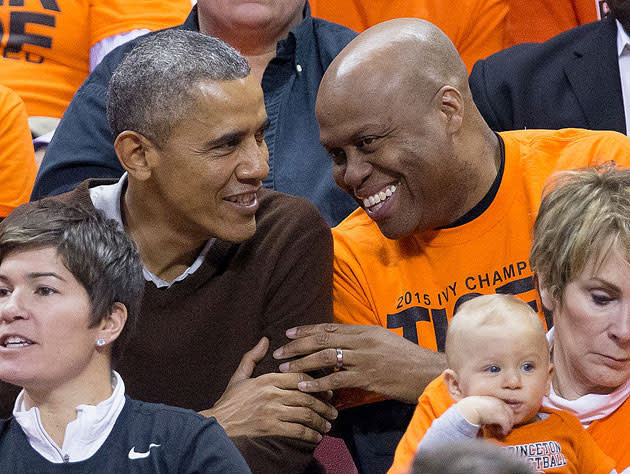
510, 363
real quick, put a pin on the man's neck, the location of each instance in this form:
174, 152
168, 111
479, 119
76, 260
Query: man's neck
166, 250
258, 45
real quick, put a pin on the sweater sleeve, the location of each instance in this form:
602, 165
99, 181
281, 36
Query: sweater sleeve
448, 428
299, 292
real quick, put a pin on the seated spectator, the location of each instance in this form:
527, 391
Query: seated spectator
580, 254
288, 52
49, 47
70, 289
447, 210
476, 27
470, 457
538, 20
575, 79
17, 158
229, 266
498, 373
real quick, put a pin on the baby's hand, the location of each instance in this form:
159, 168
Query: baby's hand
487, 411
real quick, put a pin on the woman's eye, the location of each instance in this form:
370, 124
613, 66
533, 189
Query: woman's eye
601, 299
4, 292
45, 291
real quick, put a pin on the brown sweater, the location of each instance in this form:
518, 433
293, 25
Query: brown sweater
190, 337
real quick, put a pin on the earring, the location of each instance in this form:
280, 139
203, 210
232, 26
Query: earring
100, 342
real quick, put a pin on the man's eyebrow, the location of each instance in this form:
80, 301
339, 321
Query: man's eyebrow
235, 136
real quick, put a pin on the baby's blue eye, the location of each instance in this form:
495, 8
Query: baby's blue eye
527, 367
494, 369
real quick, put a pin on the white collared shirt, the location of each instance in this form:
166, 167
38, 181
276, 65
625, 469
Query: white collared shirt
107, 199
623, 53
84, 435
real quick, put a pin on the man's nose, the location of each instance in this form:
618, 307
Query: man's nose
255, 163
356, 170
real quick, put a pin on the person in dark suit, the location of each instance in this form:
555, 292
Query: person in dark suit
571, 80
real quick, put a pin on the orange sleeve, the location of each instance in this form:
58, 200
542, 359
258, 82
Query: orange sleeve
113, 17
433, 402
17, 157
548, 19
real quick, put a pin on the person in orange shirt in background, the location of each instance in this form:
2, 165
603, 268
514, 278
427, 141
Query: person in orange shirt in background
48, 47
17, 157
476, 27
539, 20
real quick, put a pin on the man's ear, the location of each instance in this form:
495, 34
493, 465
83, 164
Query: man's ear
134, 152
452, 108
452, 384
112, 325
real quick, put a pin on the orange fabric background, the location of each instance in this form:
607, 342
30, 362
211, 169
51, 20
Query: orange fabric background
476, 27
17, 157
539, 20
46, 76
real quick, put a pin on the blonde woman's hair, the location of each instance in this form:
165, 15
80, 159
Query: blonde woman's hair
583, 214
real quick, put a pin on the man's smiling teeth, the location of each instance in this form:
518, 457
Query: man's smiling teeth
379, 197
16, 341
243, 199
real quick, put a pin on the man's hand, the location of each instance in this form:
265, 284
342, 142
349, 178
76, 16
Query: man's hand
374, 359
490, 412
271, 404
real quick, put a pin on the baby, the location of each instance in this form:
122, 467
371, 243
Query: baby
498, 373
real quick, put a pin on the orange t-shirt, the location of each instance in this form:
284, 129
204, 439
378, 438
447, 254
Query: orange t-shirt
45, 44
17, 156
474, 26
607, 433
413, 285
539, 20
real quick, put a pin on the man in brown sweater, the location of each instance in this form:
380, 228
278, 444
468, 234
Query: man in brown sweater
229, 266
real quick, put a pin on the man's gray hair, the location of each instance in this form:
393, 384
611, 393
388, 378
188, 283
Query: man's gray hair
150, 90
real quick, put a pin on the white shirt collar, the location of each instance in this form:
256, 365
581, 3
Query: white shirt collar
623, 40
84, 435
107, 199
589, 407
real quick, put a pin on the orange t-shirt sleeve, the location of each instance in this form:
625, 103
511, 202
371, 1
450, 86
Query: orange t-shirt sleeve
113, 17
433, 402
17, 157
